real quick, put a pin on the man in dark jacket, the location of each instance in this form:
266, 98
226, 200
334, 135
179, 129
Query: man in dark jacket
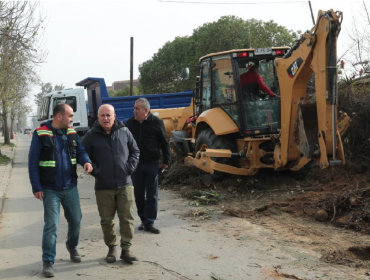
150, 134
115, 155
54, 151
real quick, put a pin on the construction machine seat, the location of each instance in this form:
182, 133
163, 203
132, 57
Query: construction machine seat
250, 92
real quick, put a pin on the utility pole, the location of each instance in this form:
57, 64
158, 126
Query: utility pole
131, 65
313, 20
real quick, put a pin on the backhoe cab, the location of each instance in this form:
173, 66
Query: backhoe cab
239, 130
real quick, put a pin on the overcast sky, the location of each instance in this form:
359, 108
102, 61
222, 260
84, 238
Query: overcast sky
92, 38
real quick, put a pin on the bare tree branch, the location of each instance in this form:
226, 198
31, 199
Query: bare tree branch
21, 52
368, 18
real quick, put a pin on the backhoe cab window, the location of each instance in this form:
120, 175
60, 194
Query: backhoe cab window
262, 113
206, 86
267, 73
223, 88
265, 70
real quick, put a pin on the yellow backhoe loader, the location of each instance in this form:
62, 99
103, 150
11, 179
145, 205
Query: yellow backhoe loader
238, 130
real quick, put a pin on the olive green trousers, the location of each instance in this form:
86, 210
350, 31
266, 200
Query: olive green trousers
121, 201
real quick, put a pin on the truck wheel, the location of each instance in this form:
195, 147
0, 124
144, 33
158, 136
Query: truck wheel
208, 139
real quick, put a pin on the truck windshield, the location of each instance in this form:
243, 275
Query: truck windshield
71, 101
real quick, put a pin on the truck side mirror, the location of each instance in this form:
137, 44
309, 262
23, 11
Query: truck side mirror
185, 73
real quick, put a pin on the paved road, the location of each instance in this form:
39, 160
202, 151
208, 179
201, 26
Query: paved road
184, 250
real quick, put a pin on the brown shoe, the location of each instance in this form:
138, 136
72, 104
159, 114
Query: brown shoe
112, 254
127, 256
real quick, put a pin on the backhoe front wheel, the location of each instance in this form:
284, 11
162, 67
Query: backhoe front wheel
207, 139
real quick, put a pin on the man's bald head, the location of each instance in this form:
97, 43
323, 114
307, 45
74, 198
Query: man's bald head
106, 117
104, 106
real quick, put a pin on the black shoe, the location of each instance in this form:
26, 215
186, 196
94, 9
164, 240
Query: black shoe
141, 227
48, 270
152, 229
127, 256
74, 255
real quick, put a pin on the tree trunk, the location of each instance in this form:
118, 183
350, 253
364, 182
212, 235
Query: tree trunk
6, 129
11, 128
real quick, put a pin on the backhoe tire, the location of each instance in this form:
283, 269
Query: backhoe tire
208, 139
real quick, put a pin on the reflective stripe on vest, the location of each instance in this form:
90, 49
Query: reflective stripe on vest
48, 163
71, 131
42, 132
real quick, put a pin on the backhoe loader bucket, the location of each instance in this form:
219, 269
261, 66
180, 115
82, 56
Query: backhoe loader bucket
306, 129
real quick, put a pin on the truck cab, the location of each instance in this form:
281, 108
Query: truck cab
72, 97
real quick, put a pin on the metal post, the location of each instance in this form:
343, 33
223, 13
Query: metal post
313, 20
131, 65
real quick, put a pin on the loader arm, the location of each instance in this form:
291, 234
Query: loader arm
309, 128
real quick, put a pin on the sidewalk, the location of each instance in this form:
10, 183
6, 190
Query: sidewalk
6, 169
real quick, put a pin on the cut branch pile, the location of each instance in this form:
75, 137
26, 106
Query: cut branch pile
350, 208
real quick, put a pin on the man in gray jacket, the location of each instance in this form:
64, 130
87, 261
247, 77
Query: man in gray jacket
115, 155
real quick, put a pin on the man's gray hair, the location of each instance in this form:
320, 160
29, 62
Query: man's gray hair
144, 103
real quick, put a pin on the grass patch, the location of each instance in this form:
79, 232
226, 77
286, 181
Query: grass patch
10, 145
4, 160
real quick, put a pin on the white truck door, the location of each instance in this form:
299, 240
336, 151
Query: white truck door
73, 98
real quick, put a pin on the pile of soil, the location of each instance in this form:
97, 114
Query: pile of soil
353, 257
337, 195
344, 200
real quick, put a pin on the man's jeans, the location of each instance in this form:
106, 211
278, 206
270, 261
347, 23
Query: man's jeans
121, 201
70, 201
145, 180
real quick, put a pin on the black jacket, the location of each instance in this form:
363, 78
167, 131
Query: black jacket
150, 136
114, 156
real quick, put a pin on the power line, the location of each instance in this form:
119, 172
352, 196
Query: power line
228, 3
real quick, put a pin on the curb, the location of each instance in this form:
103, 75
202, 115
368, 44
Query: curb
5, 180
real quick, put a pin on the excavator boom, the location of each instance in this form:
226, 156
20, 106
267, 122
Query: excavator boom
309, 124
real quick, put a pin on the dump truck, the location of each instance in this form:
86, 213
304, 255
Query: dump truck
225, 130
96, 92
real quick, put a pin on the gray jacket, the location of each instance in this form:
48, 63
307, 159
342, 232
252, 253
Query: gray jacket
114, 156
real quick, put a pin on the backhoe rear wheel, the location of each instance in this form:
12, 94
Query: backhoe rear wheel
207, 139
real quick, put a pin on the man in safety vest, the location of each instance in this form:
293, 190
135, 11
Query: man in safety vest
55, 150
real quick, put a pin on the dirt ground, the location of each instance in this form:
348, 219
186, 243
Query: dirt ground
328, 211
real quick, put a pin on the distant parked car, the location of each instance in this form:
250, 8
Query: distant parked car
27, 130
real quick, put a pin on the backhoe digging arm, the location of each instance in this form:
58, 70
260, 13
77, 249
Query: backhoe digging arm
309, 126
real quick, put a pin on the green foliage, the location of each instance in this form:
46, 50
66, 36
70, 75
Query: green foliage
124, 92
45, 89
354, 99
162, 73
4, 160
58, 87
